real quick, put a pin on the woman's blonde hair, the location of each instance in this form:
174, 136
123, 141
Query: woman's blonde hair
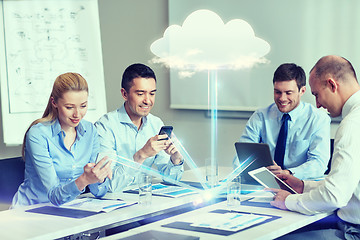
63, 83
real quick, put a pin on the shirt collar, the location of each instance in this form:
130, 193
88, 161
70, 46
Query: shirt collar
56, 128
353, 100
124, 117
294, 114
81, 130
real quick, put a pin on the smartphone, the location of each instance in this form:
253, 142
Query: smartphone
269, 180
100, 156
165, 130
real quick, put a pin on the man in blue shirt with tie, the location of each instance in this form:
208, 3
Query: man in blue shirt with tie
131, 132
297, 133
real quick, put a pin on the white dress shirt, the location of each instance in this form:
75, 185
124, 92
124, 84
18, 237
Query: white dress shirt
341, 188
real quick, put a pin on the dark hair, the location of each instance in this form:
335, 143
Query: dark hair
134, 71
288, 72
339, 67
63, 83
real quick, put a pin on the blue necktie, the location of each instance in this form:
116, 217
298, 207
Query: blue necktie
281, 142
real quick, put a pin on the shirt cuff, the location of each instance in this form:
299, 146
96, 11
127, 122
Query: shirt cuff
104, 184
99, 189
180, 164
177, 170
73, 190
291, 202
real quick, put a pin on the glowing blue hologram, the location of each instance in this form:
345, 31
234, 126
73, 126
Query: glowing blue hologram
148, 170
212, 106
188, 160
209, 194
205, 42
237, 171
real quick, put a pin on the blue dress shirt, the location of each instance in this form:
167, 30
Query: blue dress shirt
119, 135
51, 169
308, 141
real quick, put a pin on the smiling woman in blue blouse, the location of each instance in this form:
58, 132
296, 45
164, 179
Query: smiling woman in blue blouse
60, 149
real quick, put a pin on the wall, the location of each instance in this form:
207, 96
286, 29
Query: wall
7, 151
128, 27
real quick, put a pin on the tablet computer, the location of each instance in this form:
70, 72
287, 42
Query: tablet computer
269, 180
247, 152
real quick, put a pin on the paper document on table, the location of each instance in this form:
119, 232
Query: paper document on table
261, 199
97, 205
164, 190
231, 221
262, 196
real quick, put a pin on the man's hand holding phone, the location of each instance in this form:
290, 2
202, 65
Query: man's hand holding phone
176, 157
154, 145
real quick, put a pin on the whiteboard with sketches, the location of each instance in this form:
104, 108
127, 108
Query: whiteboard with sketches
41, 40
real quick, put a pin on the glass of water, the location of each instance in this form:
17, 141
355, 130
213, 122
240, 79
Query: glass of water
234, 192
212, 173
145, 189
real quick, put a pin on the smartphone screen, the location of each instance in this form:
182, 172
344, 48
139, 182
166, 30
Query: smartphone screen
166, 130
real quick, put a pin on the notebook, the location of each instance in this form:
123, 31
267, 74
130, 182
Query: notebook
260, 152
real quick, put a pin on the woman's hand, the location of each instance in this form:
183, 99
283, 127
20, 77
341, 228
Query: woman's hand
94, 173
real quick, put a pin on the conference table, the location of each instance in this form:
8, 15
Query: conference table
284, 223
21, 224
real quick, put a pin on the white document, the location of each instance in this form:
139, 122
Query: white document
231, 221
97, 205
262, 196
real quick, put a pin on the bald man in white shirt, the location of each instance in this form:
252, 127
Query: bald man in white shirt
333, 83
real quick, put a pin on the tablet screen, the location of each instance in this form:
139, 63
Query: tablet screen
247, 152
269, 180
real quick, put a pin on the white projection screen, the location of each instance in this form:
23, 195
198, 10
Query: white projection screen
298, 31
